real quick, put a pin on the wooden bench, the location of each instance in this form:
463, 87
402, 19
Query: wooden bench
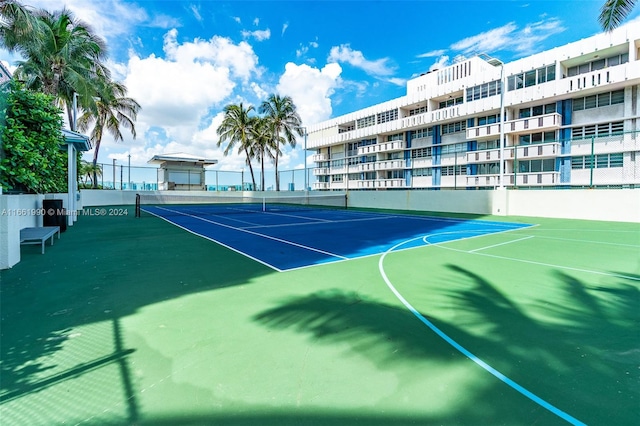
38, 235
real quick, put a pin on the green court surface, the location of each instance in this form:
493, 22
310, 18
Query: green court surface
127, 321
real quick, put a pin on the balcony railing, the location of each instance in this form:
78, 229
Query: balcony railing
521, 125
320, 157
382, 183
390, 165
321, 185
382, 147
534, 151
320, 171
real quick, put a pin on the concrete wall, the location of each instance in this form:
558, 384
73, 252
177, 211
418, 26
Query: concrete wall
16, 212
618, 205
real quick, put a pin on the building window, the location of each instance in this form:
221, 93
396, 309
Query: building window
421, 152
396, 137
482, 145
598, 64
453, 148
537, 138
600, 100
489, 119
458, 126
483, 90
537, 166
449, 170
422, 172
417, 111
337, 178
488, 169
422, 133
601, 130
531, 78
602, 161
385, 117
450, 102
366, 121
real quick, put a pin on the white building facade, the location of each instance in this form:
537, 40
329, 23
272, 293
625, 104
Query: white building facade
570, 119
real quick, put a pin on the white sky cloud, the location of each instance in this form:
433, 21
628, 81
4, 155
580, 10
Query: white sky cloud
310, 88
195, 10
259, 35
509, 37
345, 54
432, 54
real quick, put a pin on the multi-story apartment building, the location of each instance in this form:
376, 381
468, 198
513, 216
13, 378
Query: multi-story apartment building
566, 117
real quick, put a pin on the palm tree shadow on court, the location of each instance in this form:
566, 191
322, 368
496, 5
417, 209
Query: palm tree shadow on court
581, 356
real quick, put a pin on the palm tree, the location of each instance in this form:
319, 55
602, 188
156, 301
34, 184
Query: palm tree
614, 12
284, 119
263, 143
62, 54
236, 129
113, 111
89, 172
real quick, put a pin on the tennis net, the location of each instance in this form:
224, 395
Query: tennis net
218, 204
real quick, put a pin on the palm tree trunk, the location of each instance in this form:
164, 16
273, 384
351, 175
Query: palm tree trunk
262, 175
277, 175
253, 178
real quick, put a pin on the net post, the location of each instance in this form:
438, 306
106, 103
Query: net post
137, 208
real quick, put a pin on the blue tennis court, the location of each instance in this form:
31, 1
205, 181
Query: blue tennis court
287, 239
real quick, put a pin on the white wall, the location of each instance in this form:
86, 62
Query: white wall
618, 205
16, 212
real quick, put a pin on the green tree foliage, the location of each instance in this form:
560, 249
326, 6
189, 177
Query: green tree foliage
30, 127
614, 12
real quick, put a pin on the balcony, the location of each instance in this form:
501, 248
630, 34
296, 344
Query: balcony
533, 179
489, 155
390, 165
382, 184
320, 157
382, 147
523, 152
321, 185
487, 131
483, 180
366, 167
319, 171
539, 123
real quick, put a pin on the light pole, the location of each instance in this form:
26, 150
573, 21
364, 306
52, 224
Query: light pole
306, 177
502, 122
129, 171
304, 155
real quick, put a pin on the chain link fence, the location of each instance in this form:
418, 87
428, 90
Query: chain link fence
144, 178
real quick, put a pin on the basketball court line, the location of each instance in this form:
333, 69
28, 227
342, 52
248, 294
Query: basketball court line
531, 262
565, 416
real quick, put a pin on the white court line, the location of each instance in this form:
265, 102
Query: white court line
568, 268
317, 223
257, 234
215, 241
501, 244
589, 241
466, 352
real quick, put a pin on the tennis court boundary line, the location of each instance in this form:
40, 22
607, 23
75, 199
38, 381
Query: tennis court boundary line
246, 231
463, 350
214, 241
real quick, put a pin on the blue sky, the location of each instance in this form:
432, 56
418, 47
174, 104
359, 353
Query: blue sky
183, 61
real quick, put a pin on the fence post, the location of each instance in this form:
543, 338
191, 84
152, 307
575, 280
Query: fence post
592, 162
515, 166
455, 171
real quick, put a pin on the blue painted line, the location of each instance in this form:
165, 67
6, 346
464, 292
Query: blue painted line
465, 352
